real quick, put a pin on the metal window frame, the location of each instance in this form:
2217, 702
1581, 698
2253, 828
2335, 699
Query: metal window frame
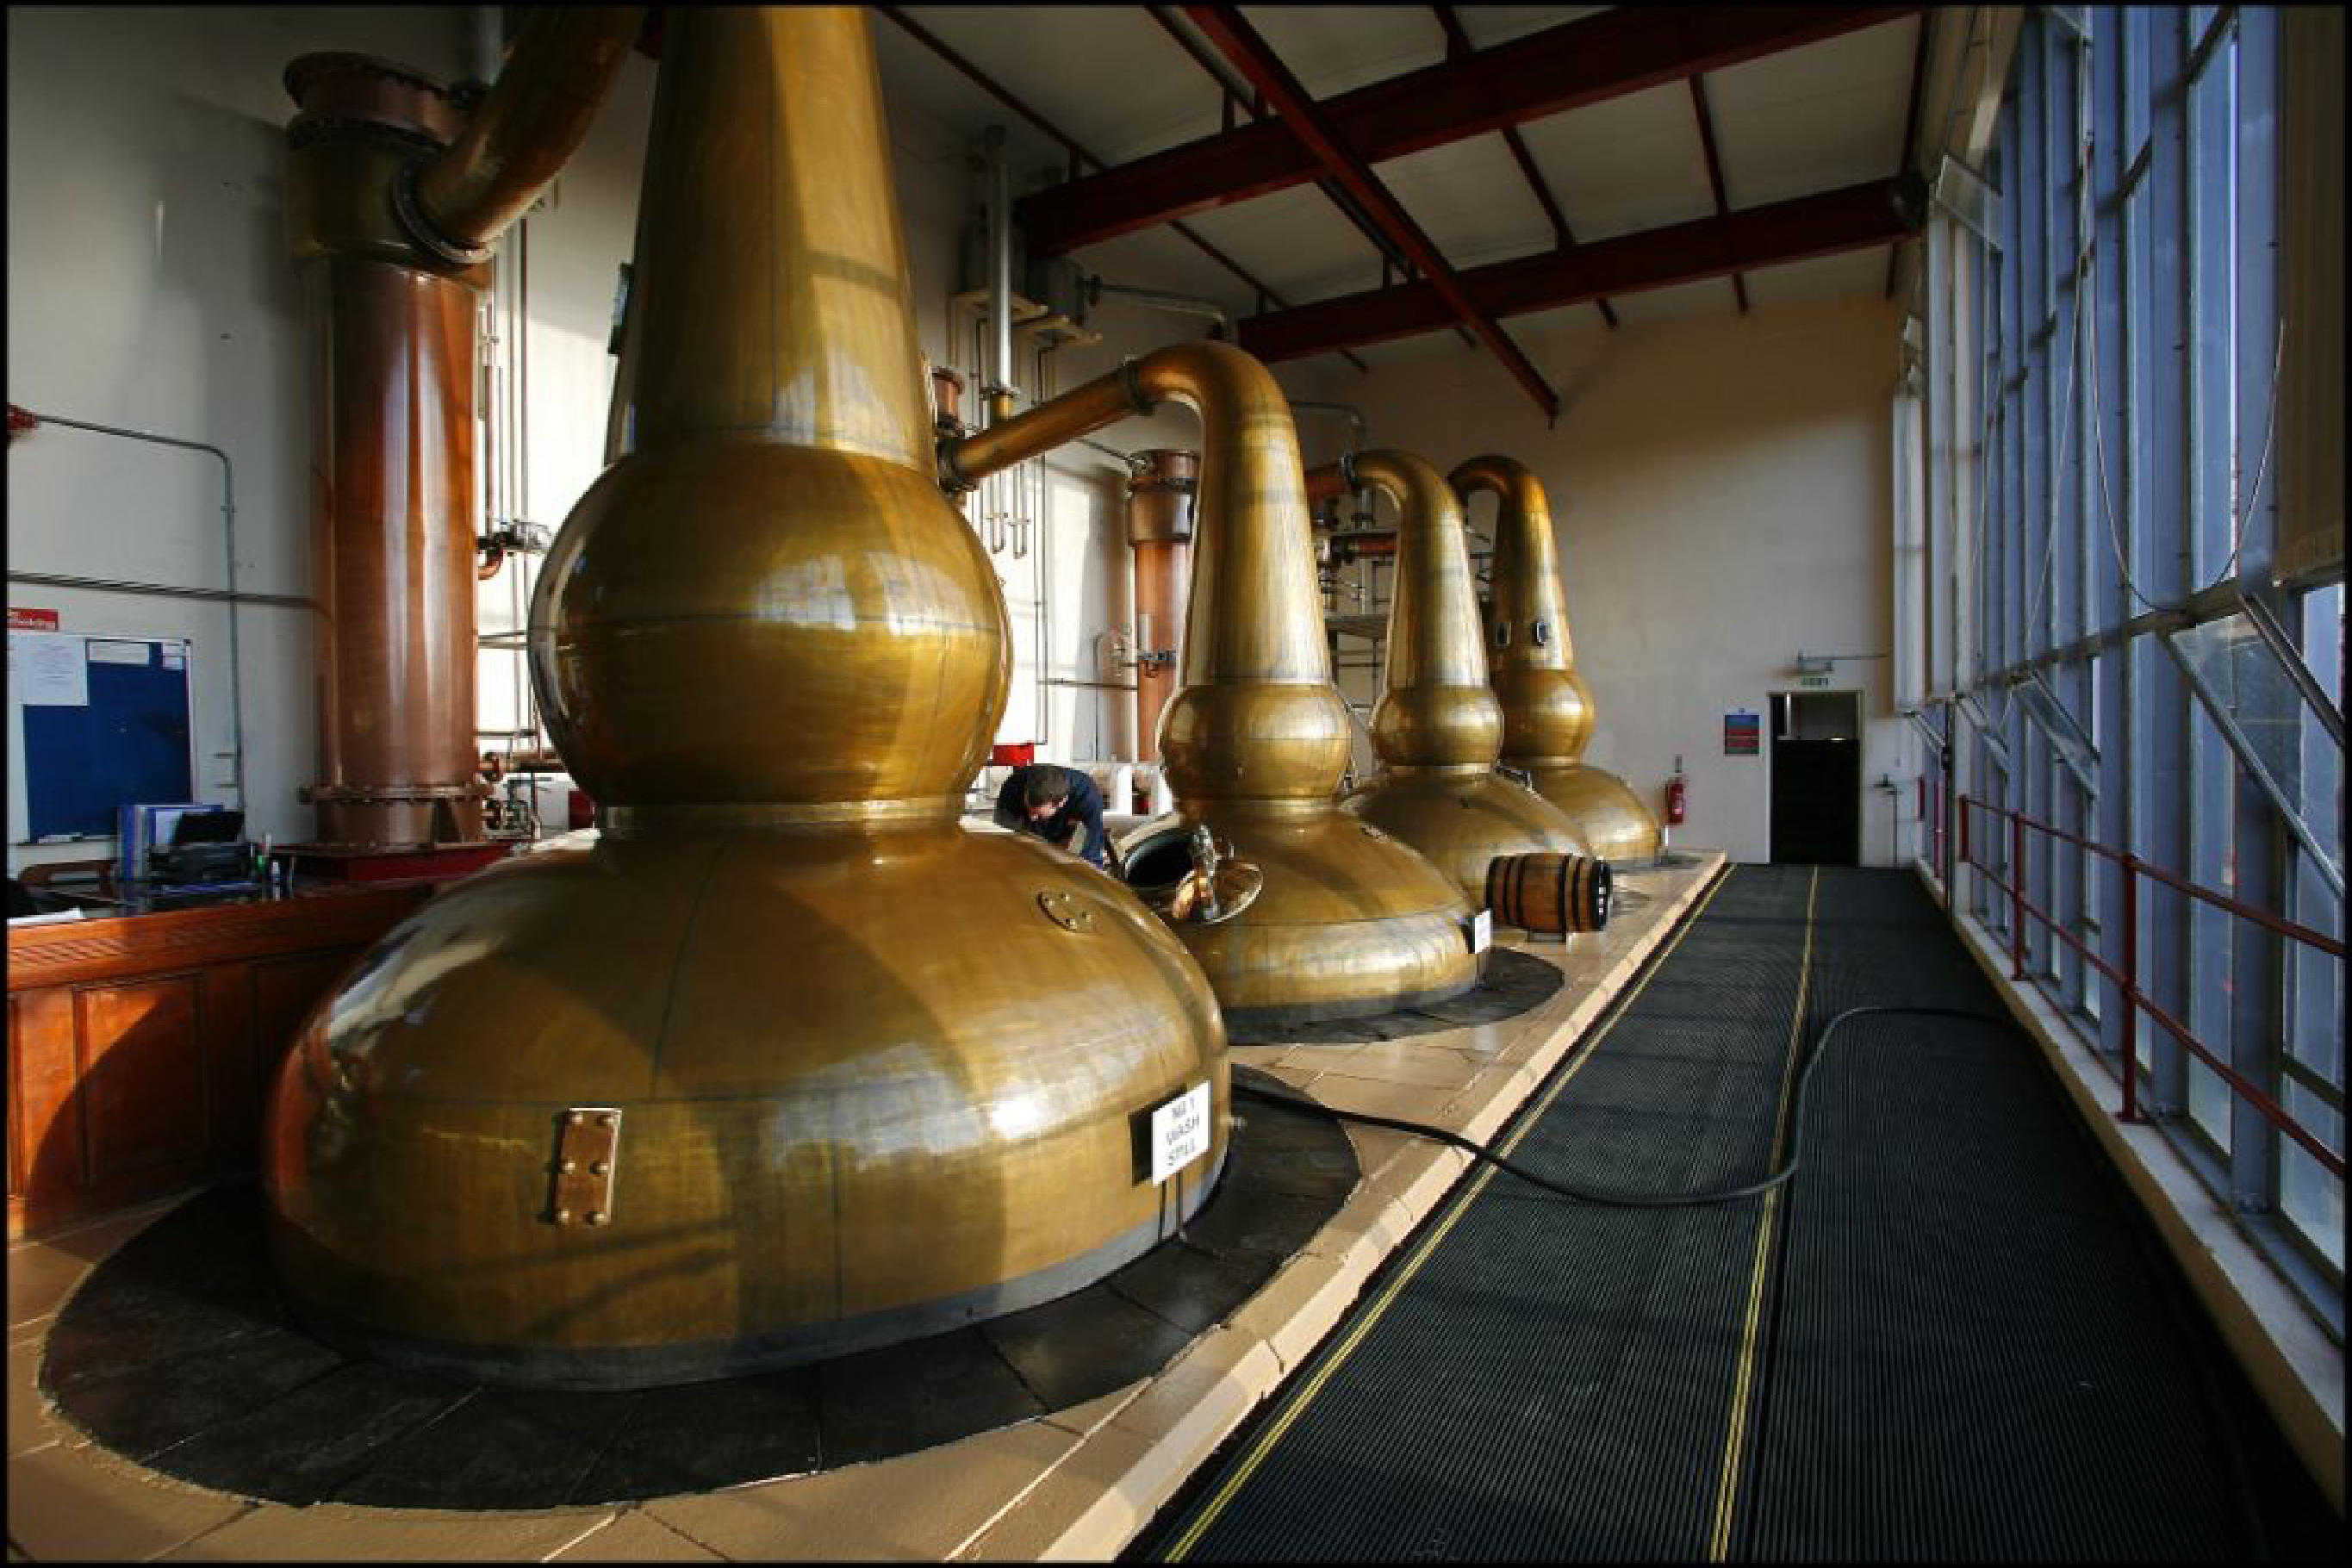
2168, 253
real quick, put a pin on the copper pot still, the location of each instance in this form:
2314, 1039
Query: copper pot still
787, 1063
1548, 712
1347, 922
1437, 726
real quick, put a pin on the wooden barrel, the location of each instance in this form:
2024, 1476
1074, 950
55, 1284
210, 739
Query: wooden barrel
1562, 893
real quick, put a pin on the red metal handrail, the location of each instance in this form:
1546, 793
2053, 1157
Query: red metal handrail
2126, 979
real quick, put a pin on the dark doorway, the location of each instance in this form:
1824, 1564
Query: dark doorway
1817, 778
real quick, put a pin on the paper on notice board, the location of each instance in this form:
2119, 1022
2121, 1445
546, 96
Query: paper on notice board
102, 651
52, 669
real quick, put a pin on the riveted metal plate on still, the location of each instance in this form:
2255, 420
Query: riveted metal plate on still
587, 1149
1064, 910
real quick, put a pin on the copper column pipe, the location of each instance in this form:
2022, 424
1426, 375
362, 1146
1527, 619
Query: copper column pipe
1160, 530
1348, 922
1547, 712
1437, 726
705, 1095
392, 307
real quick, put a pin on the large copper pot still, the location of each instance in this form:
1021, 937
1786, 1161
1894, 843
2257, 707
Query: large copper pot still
786, 1063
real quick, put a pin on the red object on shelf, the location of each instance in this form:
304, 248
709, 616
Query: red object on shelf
1016, 754
361, 863
579, 811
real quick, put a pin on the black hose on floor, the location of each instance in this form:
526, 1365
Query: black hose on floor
1636, 1200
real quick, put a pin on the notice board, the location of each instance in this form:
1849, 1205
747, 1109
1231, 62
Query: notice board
97, 721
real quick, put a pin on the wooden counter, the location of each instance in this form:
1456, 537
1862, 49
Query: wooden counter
141, 1048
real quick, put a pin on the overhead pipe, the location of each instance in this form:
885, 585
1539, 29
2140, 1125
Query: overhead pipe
456, 203
1437, 726
1181, 304
1349, 921
683, 1102
999, 392
1547, 712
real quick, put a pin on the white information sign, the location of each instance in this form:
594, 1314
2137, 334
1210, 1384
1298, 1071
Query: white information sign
1180, 1132
52, 668
1482, 930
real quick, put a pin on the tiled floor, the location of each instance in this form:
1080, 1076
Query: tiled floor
1076, 1484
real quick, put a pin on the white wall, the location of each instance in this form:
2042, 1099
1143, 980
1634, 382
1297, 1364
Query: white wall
1720, 486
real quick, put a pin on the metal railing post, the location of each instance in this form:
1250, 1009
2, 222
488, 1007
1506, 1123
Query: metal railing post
2017, 895
2130, 1112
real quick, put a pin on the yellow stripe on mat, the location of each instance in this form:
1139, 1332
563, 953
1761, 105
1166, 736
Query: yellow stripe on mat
1276, 1430
1726, 1492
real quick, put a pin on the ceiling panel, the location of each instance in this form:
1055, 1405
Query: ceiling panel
1106, 75
1807, 119
1471, 200
1628, 164
1813, 119
1490, 25
1332, 49
1297, 241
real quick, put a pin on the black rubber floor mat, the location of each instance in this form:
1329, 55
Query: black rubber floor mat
177, 1352
1950, 1346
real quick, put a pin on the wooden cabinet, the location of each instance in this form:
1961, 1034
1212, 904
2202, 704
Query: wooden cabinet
141, 1048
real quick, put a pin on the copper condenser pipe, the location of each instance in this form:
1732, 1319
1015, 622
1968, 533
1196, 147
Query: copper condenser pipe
1159, 527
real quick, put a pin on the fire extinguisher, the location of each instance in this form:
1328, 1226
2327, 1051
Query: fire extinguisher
1677, 797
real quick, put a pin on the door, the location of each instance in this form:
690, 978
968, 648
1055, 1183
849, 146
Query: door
1817, 778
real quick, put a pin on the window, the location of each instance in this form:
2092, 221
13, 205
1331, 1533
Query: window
2105, 343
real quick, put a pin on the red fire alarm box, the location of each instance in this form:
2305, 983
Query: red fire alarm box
1013, 755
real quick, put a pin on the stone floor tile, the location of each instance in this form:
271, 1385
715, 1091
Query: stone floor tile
339, 1532
75, 1504
922, 1507
631, 1537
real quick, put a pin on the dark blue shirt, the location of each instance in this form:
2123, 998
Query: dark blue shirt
1084, 808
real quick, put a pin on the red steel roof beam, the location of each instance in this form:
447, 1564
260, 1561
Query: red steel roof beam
1880, 211
1079, 156
1715, 175
1621, 51
1240, 43
1457, 44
